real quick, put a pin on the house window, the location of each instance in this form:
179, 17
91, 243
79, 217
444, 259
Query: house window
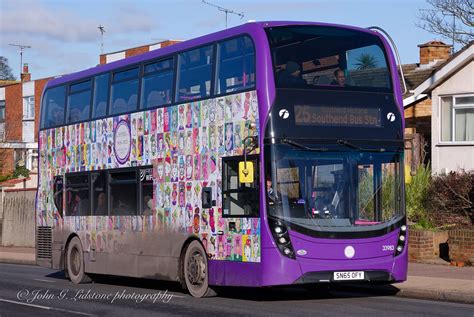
457, 119
2, 110
29, 108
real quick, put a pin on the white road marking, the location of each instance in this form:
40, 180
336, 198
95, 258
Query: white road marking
177, 296
45, 307
47, 281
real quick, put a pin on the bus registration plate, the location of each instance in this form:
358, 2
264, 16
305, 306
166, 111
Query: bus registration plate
349, 276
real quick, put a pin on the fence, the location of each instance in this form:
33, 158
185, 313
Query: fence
18, 225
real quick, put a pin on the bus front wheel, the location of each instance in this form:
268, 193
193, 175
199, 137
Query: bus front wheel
75, 262
195, 271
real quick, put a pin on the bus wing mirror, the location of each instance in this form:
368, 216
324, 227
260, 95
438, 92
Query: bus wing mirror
246, 172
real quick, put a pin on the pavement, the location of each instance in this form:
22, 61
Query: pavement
17, 255
436, 280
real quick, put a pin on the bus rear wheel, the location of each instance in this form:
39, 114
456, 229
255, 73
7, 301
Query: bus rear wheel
75, 262
195, 271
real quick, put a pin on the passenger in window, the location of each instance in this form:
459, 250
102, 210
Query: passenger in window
74, 200
271, 193
290, 76
121, 208
147, 206
339, 78
75, 115
101, 204
56, 117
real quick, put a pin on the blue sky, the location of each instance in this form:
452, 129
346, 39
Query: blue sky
64, 37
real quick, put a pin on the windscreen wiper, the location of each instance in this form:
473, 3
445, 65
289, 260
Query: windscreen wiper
304, 147
356, 147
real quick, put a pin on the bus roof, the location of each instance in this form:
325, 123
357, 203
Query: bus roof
251, 28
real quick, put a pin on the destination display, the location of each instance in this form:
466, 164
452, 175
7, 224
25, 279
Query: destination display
337, 116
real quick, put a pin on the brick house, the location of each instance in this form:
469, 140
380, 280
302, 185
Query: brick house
19, 119
439, 108
418, 107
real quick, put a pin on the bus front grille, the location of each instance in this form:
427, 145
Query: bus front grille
44, 240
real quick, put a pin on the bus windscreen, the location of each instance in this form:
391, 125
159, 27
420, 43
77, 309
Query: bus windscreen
306, 57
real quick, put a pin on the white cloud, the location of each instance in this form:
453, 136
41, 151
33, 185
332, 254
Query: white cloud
61, 22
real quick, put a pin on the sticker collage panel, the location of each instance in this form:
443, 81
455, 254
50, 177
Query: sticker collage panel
185, 145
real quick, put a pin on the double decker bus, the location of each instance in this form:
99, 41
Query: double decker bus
266, 154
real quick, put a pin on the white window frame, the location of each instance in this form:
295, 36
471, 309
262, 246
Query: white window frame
453, 119
4, 110
27, 101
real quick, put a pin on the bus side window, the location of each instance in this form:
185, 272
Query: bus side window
58, 194
124, 91
78, 102
194, 74
157, 84
101, 93
77, 194
99, 194
236, 65
53, 107
239, 199
123, 192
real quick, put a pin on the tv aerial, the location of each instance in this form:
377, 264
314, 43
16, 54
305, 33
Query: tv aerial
226, 11
102, 31
21, 47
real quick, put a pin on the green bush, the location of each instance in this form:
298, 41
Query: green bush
20, 171
417, 197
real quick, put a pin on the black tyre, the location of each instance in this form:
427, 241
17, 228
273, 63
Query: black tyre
75, 262
195, 273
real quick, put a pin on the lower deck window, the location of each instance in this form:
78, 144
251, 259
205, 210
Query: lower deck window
118, 192
77, 195
123, 192
99, 194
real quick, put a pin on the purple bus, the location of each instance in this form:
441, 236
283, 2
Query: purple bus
266, 154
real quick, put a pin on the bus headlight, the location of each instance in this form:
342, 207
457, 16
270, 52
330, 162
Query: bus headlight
401, 240
282, 237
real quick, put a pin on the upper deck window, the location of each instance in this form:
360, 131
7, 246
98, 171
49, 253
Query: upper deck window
124, 93
194, 74
236, 65
53, 107
101, 93
157, 84
336, 58
78, 102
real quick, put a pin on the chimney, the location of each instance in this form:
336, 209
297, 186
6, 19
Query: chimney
25, 75
434, 51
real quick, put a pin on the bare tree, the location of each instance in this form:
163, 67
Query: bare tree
5, 70
452, 19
